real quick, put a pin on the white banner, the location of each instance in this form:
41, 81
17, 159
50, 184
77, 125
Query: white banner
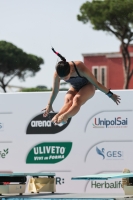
98, 139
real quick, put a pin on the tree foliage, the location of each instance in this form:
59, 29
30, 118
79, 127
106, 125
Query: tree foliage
116, 17
36, 89
15, 62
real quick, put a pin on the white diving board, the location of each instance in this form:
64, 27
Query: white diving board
103, 176
28, 174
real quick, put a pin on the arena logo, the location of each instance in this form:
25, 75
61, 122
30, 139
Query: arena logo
41, 125
106, 185
109, 155
117, 122
1, 126
49, 153
3, 153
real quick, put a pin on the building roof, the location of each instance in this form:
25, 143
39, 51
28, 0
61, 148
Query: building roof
107, 55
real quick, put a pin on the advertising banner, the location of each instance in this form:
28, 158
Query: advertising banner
98, 139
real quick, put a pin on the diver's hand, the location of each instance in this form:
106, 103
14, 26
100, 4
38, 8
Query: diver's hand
47, 110
55, 118
116, 99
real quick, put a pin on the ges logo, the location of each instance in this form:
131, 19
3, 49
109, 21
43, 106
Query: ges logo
109, 154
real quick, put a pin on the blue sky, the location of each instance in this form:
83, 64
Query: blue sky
35, 25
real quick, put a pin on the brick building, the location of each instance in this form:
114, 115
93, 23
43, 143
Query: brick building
108, 68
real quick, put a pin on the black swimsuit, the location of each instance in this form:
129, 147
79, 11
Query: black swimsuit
77, 82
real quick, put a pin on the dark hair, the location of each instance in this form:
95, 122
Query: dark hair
63, 67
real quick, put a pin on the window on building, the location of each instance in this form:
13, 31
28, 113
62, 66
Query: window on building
103, 76
95, 72
100, 73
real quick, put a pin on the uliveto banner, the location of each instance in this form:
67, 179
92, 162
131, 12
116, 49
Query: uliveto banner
98, 139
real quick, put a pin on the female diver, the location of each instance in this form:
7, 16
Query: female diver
82, 88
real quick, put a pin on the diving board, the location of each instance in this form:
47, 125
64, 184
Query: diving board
49, 174
103, 176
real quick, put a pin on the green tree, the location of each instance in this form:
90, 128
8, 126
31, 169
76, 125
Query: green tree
36, 89
16, 63
116, 17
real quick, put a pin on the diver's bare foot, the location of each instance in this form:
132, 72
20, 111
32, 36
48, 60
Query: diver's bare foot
62, 118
